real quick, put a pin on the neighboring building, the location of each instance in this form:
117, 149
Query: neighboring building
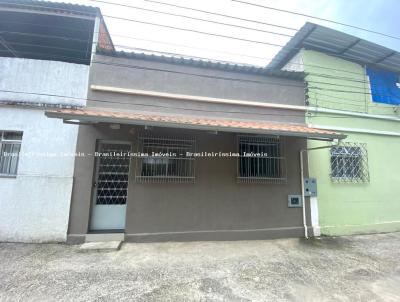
45, 53
176, 107
358, 183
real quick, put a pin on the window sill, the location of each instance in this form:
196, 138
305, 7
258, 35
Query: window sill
7, 176
164, 179
261, 180
348, 180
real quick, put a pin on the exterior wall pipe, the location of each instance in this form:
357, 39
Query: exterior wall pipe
302, 183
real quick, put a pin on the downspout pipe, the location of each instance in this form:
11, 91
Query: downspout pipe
336, 143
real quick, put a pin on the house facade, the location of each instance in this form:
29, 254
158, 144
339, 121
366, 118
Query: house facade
358, 188
182, 149
40, 68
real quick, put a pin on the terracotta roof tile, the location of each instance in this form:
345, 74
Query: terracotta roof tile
218, 123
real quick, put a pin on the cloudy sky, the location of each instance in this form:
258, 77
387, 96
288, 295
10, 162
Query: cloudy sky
377, 15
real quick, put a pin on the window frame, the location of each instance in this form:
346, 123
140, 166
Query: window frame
11, 142
281, 159
345, 158
171, 144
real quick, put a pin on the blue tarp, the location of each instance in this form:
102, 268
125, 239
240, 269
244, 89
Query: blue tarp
384, 86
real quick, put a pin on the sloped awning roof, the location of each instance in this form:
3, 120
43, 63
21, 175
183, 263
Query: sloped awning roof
46, 30
192, 122
320, 38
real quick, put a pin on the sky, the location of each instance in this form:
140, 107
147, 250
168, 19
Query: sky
376, 15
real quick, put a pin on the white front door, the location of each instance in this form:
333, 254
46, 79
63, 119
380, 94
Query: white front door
110, 189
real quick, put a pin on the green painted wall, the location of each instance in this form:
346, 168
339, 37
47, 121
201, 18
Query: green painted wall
348, 208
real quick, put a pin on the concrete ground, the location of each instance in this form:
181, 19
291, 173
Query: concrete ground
359, 268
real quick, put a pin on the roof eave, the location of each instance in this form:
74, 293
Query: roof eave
292, 47
229, 67
55, 8
129, 121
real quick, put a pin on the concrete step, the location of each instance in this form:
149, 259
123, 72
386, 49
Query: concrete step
107, 246
104, 237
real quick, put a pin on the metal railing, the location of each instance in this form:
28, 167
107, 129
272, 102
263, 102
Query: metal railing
261, 160
349, 163
165, 160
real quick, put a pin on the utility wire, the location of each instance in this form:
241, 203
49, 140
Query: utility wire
310, 87
145, 104
172, 44
194, 31
78, 12
233, 79
248, 3
129, 47
128, 37
207, 49
317, 18
227, 78
200, 48
309, 81
309, 114
221, 15
8, 47
214, 34
195, 18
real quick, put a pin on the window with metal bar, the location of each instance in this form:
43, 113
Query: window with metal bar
261, 159
10, 145
166, 160
349, 163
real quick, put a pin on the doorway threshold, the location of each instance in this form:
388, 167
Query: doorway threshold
103, 236
106, 231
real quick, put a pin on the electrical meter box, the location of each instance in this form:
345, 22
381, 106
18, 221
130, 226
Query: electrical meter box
310, 187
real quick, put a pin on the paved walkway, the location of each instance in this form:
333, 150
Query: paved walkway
359, 268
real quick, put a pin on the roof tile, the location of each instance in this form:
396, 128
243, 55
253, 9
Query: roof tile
220, 123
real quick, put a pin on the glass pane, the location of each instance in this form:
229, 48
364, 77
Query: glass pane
167, 158
267, 164
12, 135
9, 158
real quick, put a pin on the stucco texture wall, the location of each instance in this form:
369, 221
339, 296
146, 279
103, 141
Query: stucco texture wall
43, 81
34, 206
215, 207
348, 208
195, 81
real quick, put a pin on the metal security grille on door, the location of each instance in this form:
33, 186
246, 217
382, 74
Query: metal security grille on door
113, 172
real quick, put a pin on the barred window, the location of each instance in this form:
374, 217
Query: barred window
10, 145
261, 159
349, 163
166, 160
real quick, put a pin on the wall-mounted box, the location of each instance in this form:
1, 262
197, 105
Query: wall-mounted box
295, 201
310, 187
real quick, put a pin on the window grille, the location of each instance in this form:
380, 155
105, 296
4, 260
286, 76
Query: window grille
166, 160
10, 146
261, 160
349, 163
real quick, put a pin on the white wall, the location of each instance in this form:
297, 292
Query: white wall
43, 77
34, 206
296, 63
